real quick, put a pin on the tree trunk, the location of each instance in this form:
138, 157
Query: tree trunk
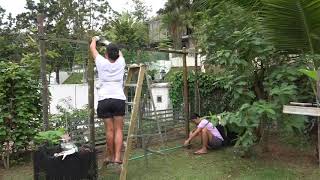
262, 131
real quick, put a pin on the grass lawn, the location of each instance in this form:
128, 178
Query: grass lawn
74, 78
219, 164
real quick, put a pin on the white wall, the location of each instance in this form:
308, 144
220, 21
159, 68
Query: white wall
178, 62
161, 89
76, 94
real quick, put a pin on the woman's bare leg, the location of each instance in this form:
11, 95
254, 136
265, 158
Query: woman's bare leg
109, 131
118, 126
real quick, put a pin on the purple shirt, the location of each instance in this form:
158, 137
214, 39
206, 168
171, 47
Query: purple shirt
214, 131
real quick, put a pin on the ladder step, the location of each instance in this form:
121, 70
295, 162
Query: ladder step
131, 85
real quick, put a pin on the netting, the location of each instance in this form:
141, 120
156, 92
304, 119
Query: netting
154, 127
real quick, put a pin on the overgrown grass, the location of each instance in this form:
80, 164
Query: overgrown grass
74, 78
181, 164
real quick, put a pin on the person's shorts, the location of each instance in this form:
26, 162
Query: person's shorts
215, 143
108, 108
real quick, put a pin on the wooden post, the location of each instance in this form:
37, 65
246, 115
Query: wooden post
185, 93
43, 72
196, 89
318, 98
91, 99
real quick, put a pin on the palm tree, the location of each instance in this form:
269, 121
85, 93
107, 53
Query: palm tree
293, 25
175, 16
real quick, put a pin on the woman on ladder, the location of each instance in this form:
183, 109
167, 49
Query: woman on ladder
111, 97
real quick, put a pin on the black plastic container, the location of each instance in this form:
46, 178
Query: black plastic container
78, 166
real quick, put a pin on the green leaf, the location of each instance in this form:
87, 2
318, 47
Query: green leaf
309, 73
293, 24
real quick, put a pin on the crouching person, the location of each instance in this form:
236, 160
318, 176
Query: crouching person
210, 136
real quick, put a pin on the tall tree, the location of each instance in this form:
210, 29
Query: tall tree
67, 19
176, 16
11, 40
141, 10
131, 32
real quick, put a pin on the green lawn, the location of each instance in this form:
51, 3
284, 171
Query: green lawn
220, 164
74, 78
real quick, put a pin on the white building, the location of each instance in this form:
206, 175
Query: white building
160, 93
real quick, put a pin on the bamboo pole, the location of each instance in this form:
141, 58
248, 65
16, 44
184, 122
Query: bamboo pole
43, 72
90, 81
185, 93
318, 99
175, 51
197, 94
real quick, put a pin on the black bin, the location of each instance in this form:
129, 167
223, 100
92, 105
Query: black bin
78, 166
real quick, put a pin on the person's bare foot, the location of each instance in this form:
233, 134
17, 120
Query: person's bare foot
201, 151
107, 161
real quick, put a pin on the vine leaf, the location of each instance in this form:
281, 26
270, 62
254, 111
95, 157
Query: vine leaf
309, 73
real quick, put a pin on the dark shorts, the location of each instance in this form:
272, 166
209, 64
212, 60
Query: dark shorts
108, 108
215, 143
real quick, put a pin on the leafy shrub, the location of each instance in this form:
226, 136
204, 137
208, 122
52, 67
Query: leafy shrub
256, 80
50, 138
213, 97
20, 107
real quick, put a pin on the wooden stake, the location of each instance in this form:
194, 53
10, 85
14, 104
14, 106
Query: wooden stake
318, 98
185, 93
196, 89
90, 81
43, 70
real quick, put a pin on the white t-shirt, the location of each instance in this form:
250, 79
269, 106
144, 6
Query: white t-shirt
110, 83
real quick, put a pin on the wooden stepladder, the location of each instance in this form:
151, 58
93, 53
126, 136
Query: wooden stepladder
141, 70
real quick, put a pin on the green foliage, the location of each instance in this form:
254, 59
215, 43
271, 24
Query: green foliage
74, 78
129, 31
50, 138
69, 117
245, 120
256, 80
175, 17
20, 106
141, 10
213, 97
176, 89
293, 25
237, 86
